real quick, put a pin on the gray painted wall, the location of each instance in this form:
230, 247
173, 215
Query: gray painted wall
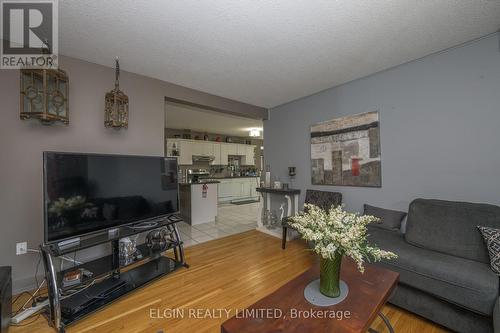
440, 120
22, 144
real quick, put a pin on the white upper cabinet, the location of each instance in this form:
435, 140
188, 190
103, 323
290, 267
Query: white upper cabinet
207, 149
242, 150
224, 152
185, 153
200, 148
216, 152
249, 157
171, 146
232, 148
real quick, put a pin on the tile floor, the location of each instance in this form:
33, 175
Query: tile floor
231, 219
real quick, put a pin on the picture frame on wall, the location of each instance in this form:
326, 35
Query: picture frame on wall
346, 151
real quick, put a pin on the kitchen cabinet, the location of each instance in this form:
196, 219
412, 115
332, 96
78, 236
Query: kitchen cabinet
253, 190
170, 146
248, 158
202, 148
216, 153
197, 149
232, 148
197, 207
207, 149
185, 153
234, 189
220, 150
246, 189
225, 190
224, 152
242, 150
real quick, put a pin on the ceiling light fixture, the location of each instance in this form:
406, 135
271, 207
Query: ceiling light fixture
255, 132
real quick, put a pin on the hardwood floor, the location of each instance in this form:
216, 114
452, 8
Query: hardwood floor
228, 273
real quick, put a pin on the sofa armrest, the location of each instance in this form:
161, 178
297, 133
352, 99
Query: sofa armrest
496, 317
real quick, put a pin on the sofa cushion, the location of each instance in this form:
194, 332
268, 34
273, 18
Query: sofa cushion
466, 283
492, 239
389, 219
451, 227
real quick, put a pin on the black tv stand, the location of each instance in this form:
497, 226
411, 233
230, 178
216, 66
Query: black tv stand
109, 280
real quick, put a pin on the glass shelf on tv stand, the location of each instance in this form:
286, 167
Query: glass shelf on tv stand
156, 264
103, 266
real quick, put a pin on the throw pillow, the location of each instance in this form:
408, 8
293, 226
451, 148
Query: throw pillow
389, 219
492, 238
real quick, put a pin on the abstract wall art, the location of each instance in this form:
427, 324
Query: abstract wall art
346, 151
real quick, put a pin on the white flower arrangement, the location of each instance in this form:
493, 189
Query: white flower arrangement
337, 232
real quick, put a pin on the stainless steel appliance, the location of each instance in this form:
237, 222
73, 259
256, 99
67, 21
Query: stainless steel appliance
234, 163
203, 158
195, 175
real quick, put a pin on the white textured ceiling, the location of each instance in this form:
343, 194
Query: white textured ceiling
186, 117
267, 52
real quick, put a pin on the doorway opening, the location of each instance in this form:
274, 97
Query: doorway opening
221, 161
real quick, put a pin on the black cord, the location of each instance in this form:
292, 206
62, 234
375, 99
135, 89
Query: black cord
16, 299
37, 267
18, 296
26, 292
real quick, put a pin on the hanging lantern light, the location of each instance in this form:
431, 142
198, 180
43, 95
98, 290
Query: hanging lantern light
44, 95
116, 105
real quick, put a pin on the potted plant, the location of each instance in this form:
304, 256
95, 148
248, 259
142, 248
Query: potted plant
336, 233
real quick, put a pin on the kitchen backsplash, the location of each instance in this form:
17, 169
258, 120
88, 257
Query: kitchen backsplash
221, 171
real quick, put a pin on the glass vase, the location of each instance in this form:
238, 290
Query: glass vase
329, 278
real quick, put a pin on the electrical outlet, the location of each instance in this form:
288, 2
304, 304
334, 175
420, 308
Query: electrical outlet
21, 248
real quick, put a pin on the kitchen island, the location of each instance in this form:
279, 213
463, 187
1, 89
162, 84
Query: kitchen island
198, 201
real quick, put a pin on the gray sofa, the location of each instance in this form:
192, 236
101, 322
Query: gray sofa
443, 264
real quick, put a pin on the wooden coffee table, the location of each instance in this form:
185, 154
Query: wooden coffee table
286, 309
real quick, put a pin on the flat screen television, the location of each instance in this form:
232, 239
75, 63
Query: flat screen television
87, 193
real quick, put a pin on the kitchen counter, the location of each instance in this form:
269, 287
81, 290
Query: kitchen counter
201, 182
238, 188
231, 177
198, 202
